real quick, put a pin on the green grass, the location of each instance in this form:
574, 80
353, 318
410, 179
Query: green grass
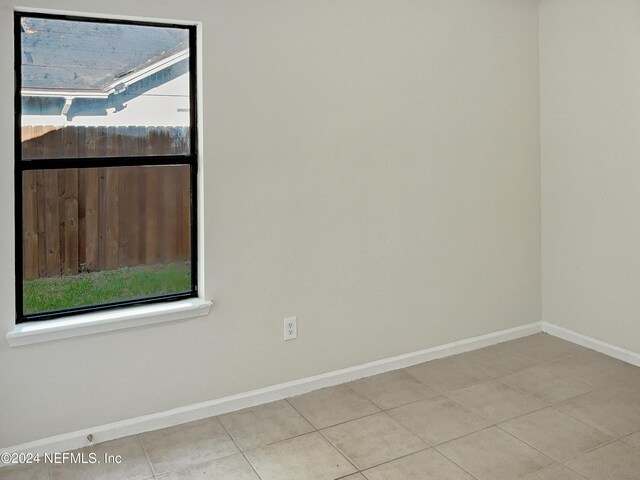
126, 283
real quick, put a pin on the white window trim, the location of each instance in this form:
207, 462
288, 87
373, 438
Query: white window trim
28, 333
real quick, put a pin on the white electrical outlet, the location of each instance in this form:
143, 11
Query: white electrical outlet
290, 328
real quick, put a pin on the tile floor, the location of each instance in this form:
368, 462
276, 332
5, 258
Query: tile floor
536, 408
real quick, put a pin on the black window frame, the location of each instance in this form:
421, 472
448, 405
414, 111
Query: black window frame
20, 166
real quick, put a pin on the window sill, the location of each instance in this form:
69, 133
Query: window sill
90, 323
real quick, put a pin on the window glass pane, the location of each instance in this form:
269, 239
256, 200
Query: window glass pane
100, 235
95, 89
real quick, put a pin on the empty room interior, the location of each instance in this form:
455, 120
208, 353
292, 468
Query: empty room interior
320, 240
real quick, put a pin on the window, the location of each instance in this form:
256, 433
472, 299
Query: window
105, 164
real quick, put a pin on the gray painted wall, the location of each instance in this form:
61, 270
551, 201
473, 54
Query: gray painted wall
369, 166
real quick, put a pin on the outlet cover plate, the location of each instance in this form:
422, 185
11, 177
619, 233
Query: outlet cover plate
290, 328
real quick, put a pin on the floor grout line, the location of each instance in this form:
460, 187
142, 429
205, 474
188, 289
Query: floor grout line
239, 449
626, 443
572, 470
529, 445
353, 464
326, 439
334, 424
146, 454
195, 464
397, 458
297, 435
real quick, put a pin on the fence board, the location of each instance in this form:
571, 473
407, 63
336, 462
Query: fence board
91, 202
128, 216
41, 147
103, 218
152, 238
71, 221
70, 136
142, 199
61, 215
179, 252
30, 225
42, 228
52, 222
169, 214
186, 212
111, 219
82, 221
112, 247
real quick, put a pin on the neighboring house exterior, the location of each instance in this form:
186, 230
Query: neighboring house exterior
109, 76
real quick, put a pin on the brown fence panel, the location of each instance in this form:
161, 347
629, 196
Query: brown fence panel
102, 218
70, 226
90, 218
42, 228
111, 219
30, 224
128, 218
52, 222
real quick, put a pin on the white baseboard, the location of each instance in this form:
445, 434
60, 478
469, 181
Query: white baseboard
176, 416
592, 343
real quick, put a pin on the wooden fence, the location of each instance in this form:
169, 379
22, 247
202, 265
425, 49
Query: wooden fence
102, 218
40, 142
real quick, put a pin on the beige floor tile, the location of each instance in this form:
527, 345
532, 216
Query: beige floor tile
333, 405
540, 348
264, 424
308, 457
498, 361
450, 373
548, 385
633, 440
393, 389
438, 420
555, 434
185, 445
629, 391
616, 461
596, 369
134, 464
495, 401
373, 440
595, 399
428, 464
492, 454
228, 468
512, 350
555, 472
34, 471
603, 411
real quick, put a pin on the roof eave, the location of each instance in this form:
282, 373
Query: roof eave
115, 87
134, 77
55, 92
